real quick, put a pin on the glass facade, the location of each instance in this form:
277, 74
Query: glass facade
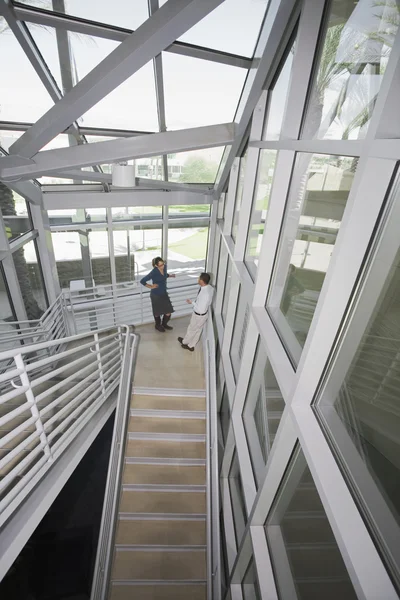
30, 278
265, 174
317, 200
238, 196
237, 499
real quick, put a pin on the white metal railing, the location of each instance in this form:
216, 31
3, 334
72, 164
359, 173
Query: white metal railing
102, 569
129, 302
47, 401
212, 469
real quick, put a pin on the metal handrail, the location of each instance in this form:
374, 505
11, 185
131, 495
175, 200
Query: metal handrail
102, 569
39, 424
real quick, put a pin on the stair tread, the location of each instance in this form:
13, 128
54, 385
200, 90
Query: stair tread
161, 533
164, 474
158, 592
163, 502
166, 425
165, 449
167, 402
155, 564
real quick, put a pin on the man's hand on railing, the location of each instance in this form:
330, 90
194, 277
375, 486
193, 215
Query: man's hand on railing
189, 301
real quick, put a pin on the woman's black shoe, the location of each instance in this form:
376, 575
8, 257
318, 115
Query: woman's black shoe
160, 328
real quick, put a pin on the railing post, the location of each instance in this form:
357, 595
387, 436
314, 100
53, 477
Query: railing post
30, 398
99, 364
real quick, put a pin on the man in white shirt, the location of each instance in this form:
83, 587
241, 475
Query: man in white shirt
201, 307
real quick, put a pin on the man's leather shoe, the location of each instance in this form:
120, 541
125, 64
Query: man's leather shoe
180, 340
187, 347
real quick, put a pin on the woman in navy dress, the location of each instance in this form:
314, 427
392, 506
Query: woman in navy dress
159, 296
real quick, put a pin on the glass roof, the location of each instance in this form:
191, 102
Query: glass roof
196, 92
119, 13
199, 92
244, 18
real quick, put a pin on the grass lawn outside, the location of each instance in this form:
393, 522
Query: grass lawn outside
194, 246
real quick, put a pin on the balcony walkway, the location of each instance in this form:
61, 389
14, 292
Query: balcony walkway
160, 550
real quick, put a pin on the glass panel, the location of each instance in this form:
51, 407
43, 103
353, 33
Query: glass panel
278, 99
197, 166
135, 246
29, 273
262, 412
118, 12
15, 213
123, 108
46, 41
250, 588
6, 313
265, 174
239, 196
242, 15
192, 210
368, 405
7, 138
227, 290
66, 216
150, 168
319, 191
225, 414
304, 552
133, 213
19, 82
237, 499
239, 333
187, 250
358, 41
188, 101
82, 257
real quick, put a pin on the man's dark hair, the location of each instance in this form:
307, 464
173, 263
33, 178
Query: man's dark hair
206, 278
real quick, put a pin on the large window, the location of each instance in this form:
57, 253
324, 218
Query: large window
187, 249
135, 246
15, 211
241, 324
227, 290
237, 499
319, 191
6, 313
357, 43
30, 279
239, 196
305, 556
277, 99
361, 407
82, 257
250, 588
262, 412
265, 173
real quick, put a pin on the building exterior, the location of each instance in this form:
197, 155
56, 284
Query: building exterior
299, 228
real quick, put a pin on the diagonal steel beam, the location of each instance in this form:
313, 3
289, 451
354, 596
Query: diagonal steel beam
159, 31
50, 161
119, 34
281, 13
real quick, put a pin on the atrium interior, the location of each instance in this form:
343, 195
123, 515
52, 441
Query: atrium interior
258, 141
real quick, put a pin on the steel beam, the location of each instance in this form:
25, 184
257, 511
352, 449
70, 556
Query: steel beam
167, 24
28, 190
81, 175
50, 161
119, 34
279, 15
132, 197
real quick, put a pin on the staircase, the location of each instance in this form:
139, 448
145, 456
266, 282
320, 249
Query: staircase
160, 543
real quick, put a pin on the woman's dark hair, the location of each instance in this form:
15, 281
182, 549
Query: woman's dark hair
156, 260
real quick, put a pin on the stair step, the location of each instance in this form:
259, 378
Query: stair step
162, 502
170, 437
162, 533
166, 425
165, 449
164, 474
148, 460
168, 414
160, 565
142, 401
162, 591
